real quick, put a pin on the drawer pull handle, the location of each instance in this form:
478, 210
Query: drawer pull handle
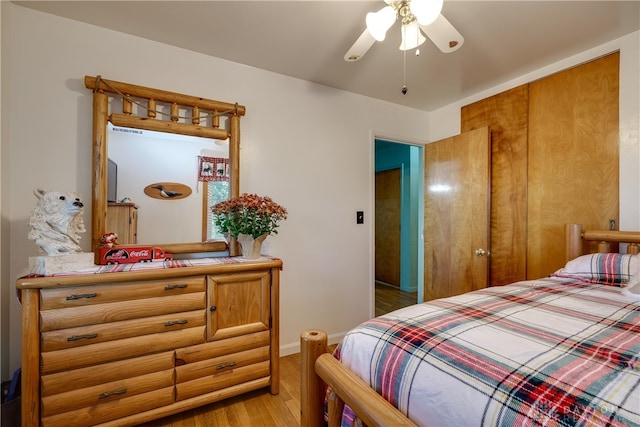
213, 308
176, 322
80, 296
112, 393
170, 287
82, 337
226, 365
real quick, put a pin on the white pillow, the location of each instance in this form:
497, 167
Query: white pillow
610, 269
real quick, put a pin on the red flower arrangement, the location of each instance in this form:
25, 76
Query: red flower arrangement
248, 214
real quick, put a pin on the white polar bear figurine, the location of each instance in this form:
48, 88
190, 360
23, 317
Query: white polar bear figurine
56, 222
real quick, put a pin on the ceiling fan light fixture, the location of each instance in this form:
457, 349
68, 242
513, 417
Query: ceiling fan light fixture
411, 36
419, 19
426, 11
378, 23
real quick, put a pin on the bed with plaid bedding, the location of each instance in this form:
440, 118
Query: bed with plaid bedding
553, 352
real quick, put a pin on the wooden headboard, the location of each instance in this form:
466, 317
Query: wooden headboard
579, 241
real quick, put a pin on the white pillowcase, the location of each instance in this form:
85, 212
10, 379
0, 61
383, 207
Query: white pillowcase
610, 269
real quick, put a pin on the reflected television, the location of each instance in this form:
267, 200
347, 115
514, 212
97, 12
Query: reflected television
112, 181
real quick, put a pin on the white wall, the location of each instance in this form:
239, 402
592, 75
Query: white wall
445, 122
307, 146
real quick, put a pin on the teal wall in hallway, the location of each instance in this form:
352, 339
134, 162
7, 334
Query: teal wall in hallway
393, 155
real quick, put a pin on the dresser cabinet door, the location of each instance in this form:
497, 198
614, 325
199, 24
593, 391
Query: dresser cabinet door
238, 304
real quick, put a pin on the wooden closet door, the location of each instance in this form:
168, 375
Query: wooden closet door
456, 214
506, 114
573, 174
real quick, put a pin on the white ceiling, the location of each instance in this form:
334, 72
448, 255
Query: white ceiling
308, 39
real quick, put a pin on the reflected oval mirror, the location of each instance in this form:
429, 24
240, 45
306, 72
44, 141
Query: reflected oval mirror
121, 108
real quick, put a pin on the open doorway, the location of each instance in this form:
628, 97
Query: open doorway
399, 172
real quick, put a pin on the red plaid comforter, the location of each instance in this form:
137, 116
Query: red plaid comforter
545, 352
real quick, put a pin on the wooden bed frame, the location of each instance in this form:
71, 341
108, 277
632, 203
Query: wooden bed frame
320, 368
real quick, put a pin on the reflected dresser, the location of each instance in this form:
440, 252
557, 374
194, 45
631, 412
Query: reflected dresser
122, 219
112, 347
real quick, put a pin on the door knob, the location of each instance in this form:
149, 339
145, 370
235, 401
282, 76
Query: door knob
480, 252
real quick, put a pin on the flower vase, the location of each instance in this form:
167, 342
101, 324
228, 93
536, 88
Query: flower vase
250, 246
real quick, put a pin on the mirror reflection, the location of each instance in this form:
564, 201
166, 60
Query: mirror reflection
139, 158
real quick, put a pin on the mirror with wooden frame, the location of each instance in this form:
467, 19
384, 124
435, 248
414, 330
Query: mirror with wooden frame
159, 111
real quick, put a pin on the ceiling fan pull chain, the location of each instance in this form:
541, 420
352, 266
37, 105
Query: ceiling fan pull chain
404, 72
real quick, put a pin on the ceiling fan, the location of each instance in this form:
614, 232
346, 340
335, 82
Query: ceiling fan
416, 17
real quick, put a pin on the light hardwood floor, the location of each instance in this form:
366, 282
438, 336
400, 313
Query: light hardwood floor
260, 408
389, 298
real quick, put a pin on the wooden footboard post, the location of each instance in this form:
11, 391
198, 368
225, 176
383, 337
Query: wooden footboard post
313, 343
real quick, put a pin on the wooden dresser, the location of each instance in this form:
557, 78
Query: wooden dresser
129, 347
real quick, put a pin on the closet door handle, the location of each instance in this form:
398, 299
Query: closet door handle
480, 252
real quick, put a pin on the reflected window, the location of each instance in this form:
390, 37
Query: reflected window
216, 191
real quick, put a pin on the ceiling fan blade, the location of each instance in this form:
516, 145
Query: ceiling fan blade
360, 47
443, 34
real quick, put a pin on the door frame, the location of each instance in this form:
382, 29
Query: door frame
419, 212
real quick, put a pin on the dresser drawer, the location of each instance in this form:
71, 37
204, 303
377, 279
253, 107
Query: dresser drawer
93, 334
107, 392
75, 296
118, 311
112, 410
222, 380
105, 373
111, 351
219, 348
221, 365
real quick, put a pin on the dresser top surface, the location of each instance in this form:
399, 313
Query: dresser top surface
149, 271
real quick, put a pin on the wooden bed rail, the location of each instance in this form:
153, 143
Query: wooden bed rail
320, 368
576, 237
